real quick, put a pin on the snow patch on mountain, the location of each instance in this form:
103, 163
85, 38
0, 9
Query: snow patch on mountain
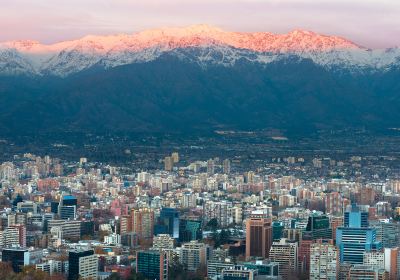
200, 44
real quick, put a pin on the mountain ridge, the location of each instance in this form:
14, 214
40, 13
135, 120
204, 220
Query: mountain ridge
68, 57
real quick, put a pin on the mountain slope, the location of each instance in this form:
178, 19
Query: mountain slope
173, 95
197, 80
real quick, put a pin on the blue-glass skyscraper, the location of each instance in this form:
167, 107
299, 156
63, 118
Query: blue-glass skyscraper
168, 222
355, 237
356, 216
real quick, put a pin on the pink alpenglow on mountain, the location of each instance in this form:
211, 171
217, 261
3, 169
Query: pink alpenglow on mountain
201, 44
193, 36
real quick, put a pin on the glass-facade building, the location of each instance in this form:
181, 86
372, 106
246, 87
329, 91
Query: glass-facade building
152, 264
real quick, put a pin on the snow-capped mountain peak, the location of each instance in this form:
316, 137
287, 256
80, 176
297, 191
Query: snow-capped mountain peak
64, 58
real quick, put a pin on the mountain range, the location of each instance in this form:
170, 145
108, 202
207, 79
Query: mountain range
197, 79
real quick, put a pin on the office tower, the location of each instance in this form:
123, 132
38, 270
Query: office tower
190, 229
334, 203
67, 207
168, 164
210, 167
168, 222
356, 216
82, 265
69, 200
175, 157
18, 257
67, 212
226, 166
143, 222
324, 262
163, 241
355, 237
353, 242
284, 253
387, 233
239, 272
87, 228
277, 230
318, 227
152, 264
220, 210
258, 236
54, 206
193, 255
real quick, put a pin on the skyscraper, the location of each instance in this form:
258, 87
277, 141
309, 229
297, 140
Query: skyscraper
153, 264
67, 207
356, 216
190, 229
355, 237
258, 236
318, 227
168, 222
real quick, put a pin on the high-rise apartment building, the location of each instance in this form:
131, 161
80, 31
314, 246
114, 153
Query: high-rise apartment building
143, 222
284, 252
219, 210
193, 255
324, 262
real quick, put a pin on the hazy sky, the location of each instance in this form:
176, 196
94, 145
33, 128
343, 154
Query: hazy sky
369, 23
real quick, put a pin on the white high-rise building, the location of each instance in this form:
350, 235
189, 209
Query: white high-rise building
193, 255
324, 262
